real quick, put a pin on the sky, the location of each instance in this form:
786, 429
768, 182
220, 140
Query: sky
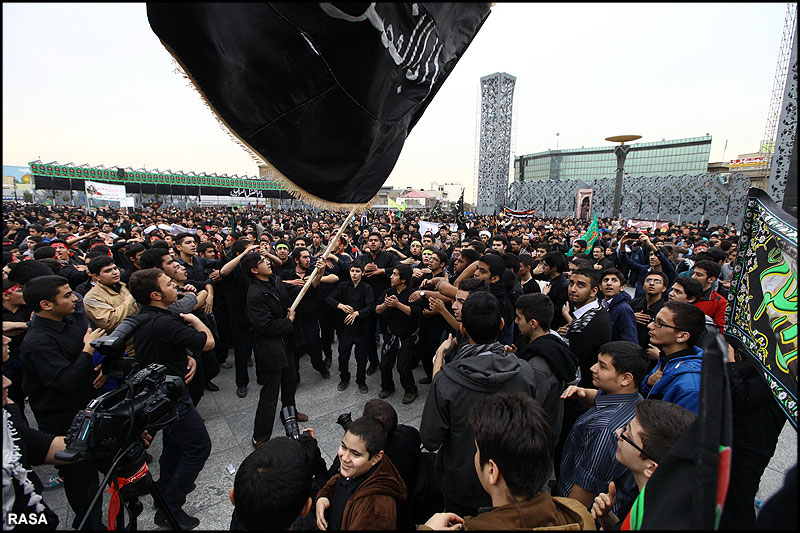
91, 83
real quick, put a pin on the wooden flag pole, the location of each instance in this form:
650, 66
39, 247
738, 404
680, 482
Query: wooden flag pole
324, 257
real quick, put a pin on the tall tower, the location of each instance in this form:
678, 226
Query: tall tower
494, 150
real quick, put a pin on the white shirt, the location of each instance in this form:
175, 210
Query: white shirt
581, 310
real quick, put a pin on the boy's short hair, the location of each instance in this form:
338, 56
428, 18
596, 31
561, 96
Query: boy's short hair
692, 287
470, 255
481, 317
556, 260
383, 411
472, 285
272, 485
581, 262
515, 432
614, 272
372, 433
249, 261
42, 288
662, 423
44, 252
627, 357
23, 271
153, 258
712, 269
537, 307
404, 271
591, 274
688, 318
181, 236
495, 263
143, 282
99, 263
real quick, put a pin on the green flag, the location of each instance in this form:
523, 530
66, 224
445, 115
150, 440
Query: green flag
392, 203
590, 236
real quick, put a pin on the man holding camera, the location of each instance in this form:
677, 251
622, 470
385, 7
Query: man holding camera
60, 379
165, 340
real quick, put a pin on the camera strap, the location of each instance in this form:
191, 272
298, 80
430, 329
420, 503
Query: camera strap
113, 491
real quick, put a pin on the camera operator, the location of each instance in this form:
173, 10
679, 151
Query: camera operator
59, 378
165, 340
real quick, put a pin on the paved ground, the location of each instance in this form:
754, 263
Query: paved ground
229, 421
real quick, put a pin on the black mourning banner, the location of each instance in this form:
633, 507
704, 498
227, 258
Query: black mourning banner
325, 93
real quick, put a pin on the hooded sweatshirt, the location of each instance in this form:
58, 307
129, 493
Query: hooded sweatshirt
554, 365
456, 388
623, 322
373, 505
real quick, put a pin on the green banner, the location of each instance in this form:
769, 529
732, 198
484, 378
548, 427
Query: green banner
761, 318
590, 236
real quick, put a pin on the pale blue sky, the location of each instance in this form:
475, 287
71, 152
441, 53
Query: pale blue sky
91, 83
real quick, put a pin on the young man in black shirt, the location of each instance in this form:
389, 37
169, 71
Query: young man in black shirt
647, 307
403, 321
378, 266
60, 379
165, 340
234, 282
306, 327
355, 299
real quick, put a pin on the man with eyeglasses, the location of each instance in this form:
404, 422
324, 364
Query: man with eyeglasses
642, 444
647, 307
676, 330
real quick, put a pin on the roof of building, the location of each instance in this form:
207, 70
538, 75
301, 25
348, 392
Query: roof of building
415, 194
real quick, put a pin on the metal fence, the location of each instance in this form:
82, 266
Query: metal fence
692, 198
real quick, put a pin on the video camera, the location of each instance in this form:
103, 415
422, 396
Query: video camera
112, 347
110, 422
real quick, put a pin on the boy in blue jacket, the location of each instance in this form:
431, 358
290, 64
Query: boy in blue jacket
617, 301
676, 330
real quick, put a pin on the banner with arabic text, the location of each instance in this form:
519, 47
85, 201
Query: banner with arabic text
761, 318
104, 191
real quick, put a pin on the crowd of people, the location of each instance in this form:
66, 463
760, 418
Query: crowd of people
554, 393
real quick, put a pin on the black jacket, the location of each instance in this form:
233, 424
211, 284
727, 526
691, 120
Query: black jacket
456, 388
270, 329
558, 295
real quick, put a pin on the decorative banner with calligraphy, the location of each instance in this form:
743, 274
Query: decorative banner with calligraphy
761, 318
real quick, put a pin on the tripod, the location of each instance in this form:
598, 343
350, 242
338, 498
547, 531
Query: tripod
129, 464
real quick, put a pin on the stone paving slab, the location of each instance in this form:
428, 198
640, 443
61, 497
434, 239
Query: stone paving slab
229, 421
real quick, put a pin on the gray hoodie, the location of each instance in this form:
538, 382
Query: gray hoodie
456, 388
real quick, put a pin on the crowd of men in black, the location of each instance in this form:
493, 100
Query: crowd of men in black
518, 325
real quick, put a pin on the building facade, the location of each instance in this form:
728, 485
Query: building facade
679, 156
494, 150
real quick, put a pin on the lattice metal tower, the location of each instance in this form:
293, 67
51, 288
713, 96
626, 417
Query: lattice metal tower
784, 54
494, 150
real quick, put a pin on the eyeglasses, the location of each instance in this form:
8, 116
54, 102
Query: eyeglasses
629, 441
660, 324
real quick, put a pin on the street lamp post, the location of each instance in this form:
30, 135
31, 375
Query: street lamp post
621, 152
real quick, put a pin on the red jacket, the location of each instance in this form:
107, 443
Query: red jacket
714, 306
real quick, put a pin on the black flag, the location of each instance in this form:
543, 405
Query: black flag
324, 93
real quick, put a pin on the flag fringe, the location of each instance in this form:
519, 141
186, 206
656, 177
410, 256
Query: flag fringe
274, 174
